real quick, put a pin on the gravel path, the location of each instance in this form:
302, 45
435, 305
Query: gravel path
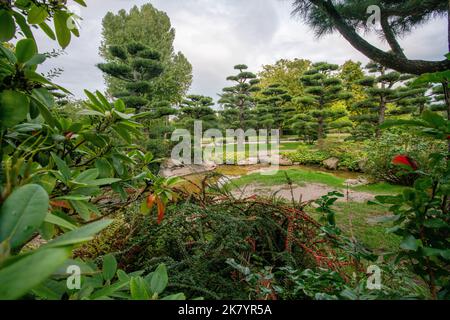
311, 191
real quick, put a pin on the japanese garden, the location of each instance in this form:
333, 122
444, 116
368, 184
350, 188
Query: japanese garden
300, 178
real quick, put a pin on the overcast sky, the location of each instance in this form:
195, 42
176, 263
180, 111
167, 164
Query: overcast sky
215, 35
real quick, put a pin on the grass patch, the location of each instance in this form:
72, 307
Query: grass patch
298, 176
303, 176
380, 188
371, 234
290, 145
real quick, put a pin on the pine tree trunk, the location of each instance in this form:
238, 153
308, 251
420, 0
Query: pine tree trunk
241, 115
382, 111
381, 116
320, 129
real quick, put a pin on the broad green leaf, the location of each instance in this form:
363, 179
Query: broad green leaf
106, 105
102, 182
14, 108
47, 30
51, 218
430, 252
7, 26
47, 230
138, 289
436, 77
37, 59
123, 115
25, 273
24, 26
349, 294
104, 167
8, 54
445, 254
109, 267
410, 243
87, 176
44, 96
25, 50
47, 182
122, 275
82, 234
37, 14
81, 207
159, 279
22, 213
62, 166
61, 29
124, 134
119, 105
77, 197
109, 290
81, 2
176, 296
90, 113
95, 101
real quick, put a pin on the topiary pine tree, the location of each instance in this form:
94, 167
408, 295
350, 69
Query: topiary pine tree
135, 65
197, 108
438, 102
272, 110
384, 88
322, 89
237, 101
414, 99
305, 126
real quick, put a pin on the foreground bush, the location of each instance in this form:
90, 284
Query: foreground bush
400, 142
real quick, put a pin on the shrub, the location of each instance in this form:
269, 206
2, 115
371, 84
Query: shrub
307, 156
349, 154
198, 238
399, 142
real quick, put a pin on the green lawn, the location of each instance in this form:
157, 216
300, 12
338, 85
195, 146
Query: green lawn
361, 219
303, 176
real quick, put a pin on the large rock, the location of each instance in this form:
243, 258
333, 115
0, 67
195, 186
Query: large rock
362, 165
171, 163
356, 182
331, 163
174, 168
285, 162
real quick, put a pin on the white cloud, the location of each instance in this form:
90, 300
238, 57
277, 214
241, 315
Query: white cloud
217, 34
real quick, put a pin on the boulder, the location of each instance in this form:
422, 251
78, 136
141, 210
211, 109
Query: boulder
362, 164
171, 163
331, 163
285, 162
173, 168
356, 182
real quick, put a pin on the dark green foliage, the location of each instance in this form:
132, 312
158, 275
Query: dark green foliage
397, 18
197, 108
384, 90
399, 142
272, 110
200, 236
421, 212
147, 33
237, 101
322, 89
135, 72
